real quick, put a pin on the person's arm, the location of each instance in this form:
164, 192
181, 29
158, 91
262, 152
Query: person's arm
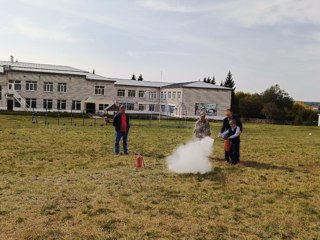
239, 123
224, 134
128, 121
195, 126
237, 134
224, 126
114, 120
208, 130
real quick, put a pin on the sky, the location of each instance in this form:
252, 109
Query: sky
262, 42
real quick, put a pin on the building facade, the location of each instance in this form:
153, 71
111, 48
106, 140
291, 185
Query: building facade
43, 87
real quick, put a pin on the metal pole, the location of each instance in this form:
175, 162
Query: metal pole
71, 116
83, 118
46, 118
59, 117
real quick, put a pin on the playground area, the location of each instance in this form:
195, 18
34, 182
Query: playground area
61, 180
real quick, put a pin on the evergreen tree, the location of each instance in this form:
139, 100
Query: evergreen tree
213, 81
229, 81
205, 80
208, 80
133, 77
140, 78
230, 84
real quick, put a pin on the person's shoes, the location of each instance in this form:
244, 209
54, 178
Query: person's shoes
126, 153
116, 154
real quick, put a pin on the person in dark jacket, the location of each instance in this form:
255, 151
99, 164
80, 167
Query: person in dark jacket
233, 135
121, 122
226, 126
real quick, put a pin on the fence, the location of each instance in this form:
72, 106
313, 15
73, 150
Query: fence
87, 119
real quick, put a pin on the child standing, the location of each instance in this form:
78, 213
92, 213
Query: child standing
233, 135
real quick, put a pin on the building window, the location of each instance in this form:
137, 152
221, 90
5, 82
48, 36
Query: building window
17, 102
152, 94
48, 87
31, 85
163, 108
62, 87
165, 95
179, 95
121, 93
103, 106
61, 104
129, 106
14, 84
99, 90
76, 105
131, 93
141, 107
47, 103
31, 103
141, 94
174, 95
169, 95
151, 107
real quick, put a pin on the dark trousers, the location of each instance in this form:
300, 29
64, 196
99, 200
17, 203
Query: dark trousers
234, 154
124, 136
226, 155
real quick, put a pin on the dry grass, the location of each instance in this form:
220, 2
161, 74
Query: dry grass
63, 182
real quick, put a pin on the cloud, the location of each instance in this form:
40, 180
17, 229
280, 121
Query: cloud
176, 6
28, 28
139, 54
82, 12
272, 12
246, 12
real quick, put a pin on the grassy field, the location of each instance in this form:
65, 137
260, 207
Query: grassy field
64, 182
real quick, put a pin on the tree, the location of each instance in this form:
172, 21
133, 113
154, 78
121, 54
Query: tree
133, 77
249, 105
140, 78
302, 114
229, 81
213, 81
205, 80
270, 110
208, 80
281, 99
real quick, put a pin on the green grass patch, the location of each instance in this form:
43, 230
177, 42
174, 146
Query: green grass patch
64, 182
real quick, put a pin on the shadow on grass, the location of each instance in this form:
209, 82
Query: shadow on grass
260, 165
257, 165
216, 175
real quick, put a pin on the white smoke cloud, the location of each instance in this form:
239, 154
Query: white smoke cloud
192, 157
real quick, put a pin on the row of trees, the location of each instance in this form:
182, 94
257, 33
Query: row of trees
210, 80
140, 78
273, 104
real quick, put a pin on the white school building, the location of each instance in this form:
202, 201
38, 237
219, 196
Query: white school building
45, 87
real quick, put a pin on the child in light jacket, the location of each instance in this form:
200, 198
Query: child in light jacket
233, 135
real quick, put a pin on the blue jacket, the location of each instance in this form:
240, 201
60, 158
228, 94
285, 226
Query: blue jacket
117, 122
